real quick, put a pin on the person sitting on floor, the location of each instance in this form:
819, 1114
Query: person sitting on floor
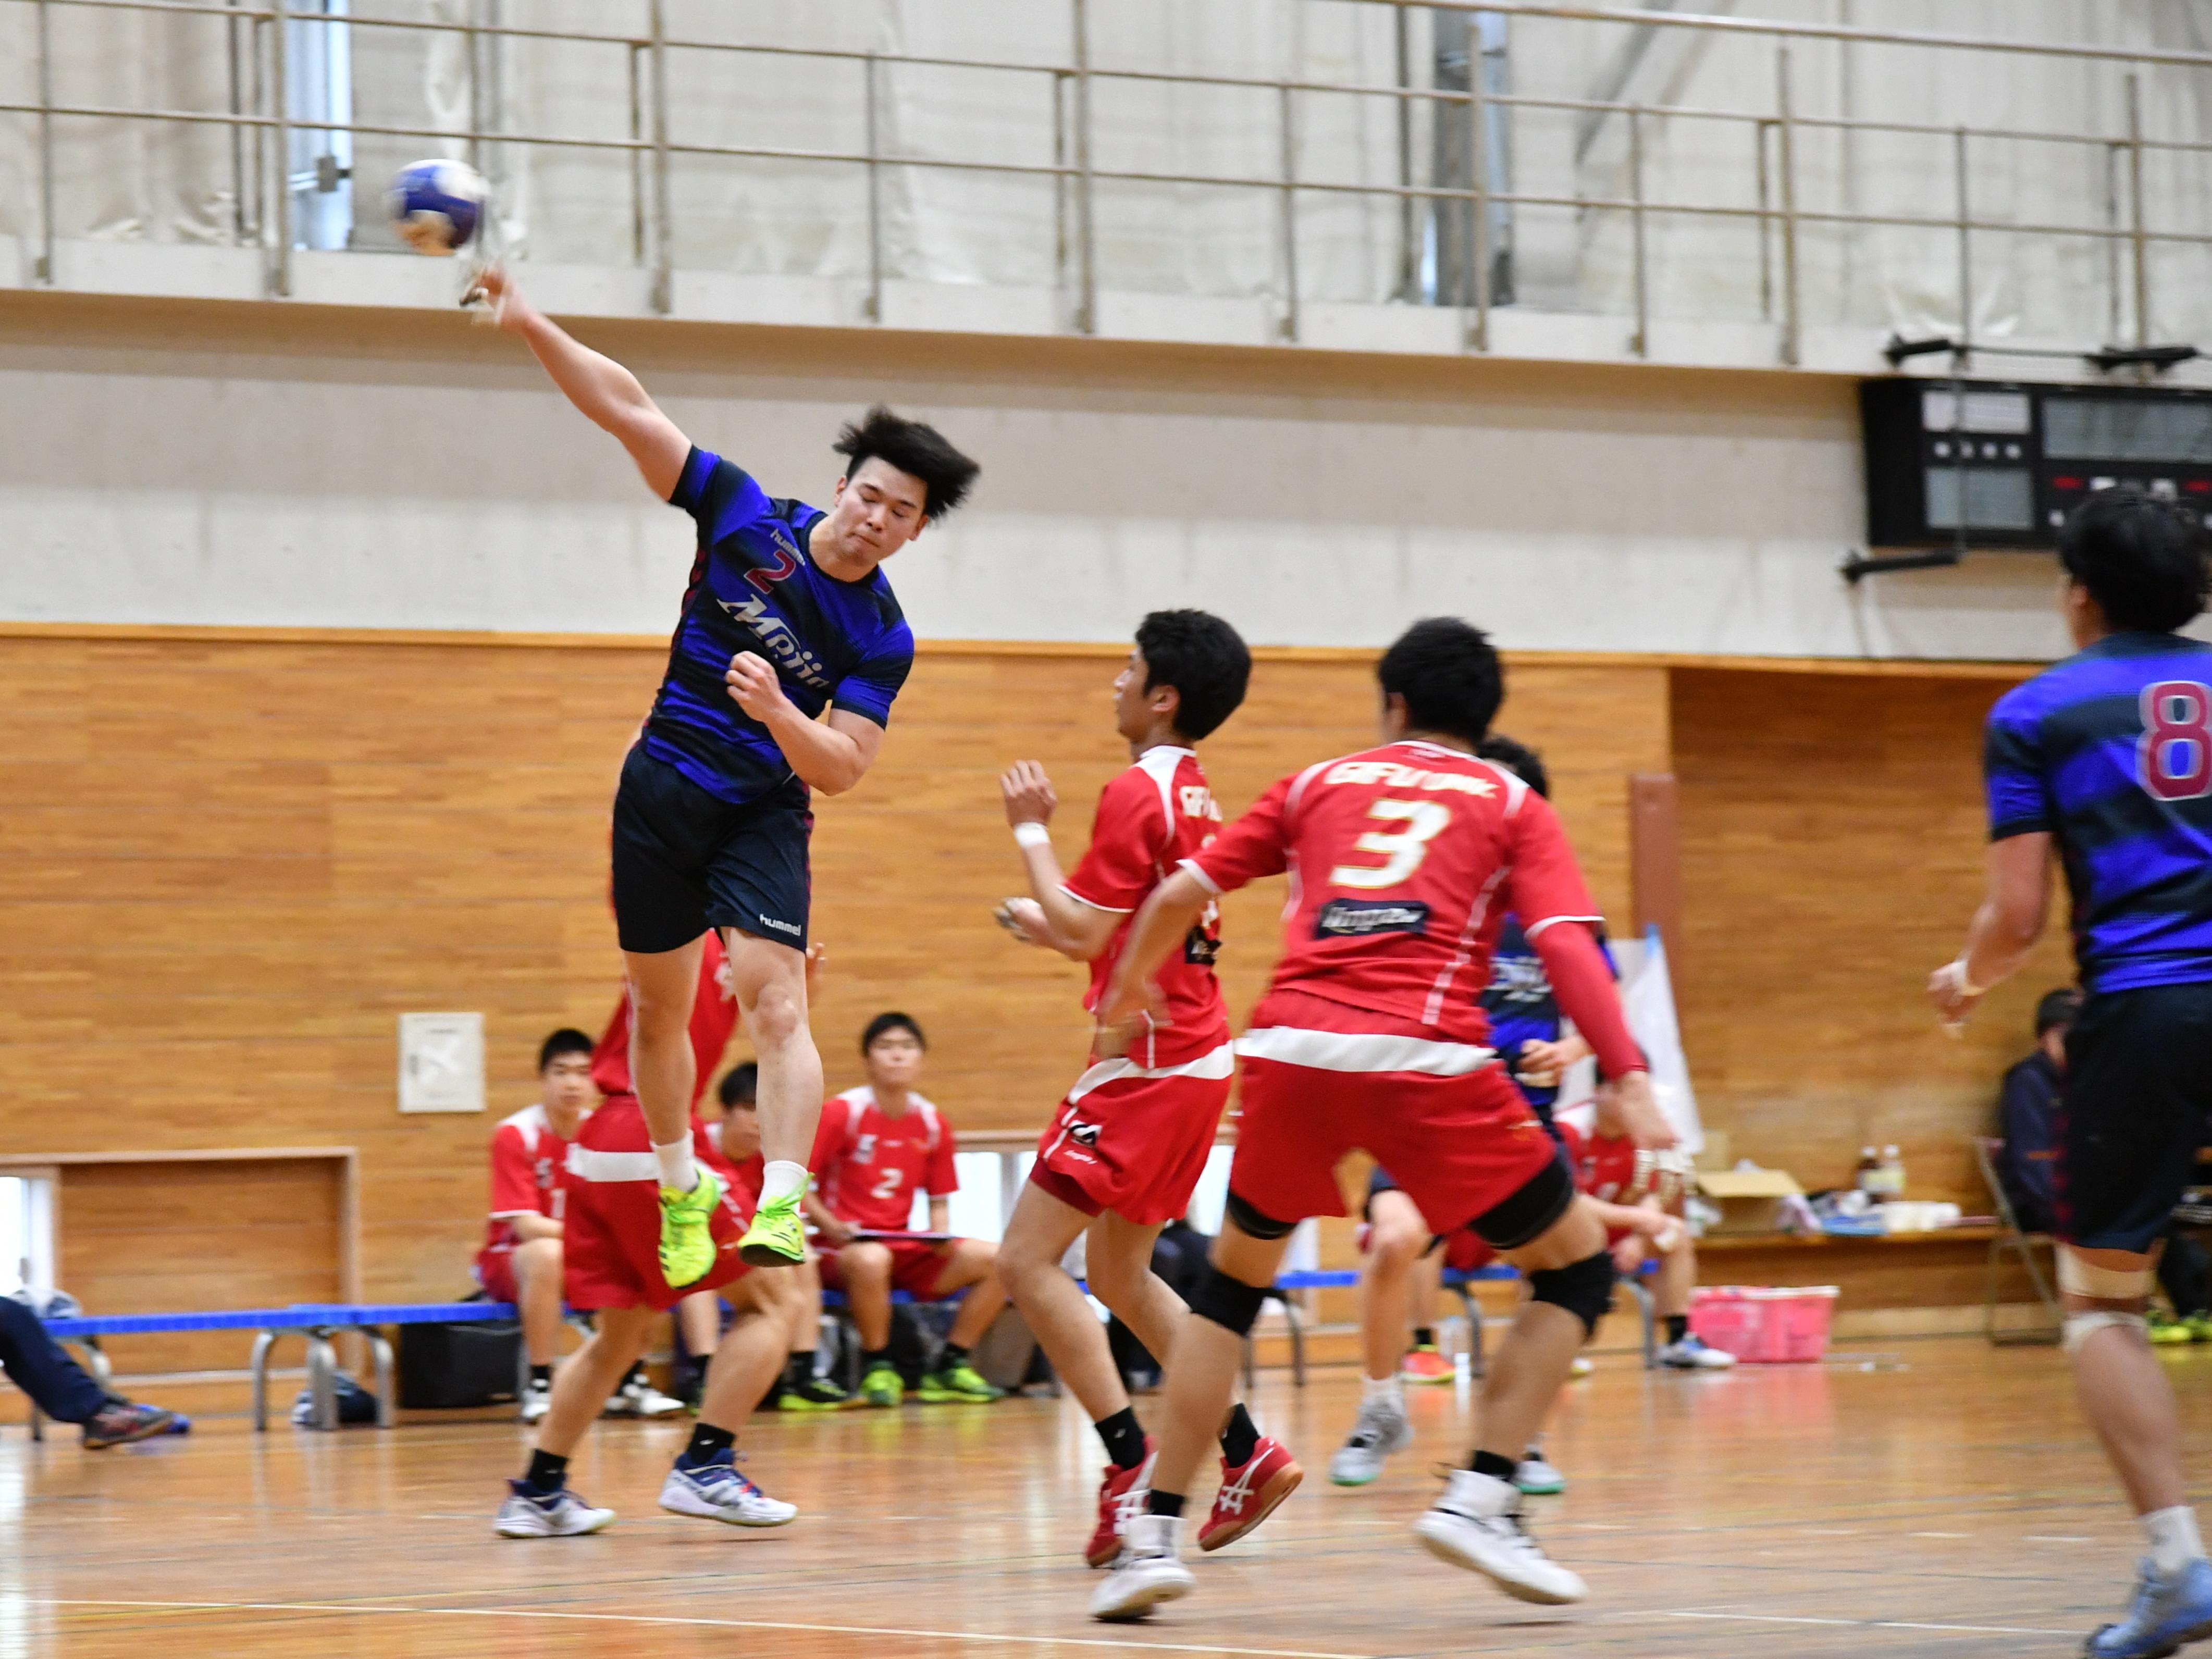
60, 1388
878, 1145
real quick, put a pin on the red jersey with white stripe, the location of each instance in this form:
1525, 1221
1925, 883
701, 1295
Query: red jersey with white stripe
1612, 1170
1151, 818
714, 1020
1404, 861
528, 1164
870, 1164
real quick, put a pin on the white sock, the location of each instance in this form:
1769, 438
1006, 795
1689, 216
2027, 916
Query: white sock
677, 1167
2173, 1541
781, 1178
1383, 1388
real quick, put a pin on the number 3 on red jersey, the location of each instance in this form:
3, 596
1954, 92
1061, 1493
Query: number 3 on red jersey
1402, 850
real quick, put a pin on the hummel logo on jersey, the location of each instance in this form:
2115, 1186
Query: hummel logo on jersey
782, 644
1360, 918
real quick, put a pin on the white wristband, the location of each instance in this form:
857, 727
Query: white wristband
1966, 986
1032, 834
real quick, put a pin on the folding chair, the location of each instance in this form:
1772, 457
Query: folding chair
2010, 1237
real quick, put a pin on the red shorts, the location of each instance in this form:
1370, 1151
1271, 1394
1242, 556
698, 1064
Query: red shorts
1322, 1080
1135, 1139
611, 1236
496, 1273
1465, 1252
916, 1265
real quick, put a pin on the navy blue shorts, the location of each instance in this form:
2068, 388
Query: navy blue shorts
2137, 1104
686, 860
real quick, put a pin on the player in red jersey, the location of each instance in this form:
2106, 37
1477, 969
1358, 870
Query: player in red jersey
521, 1261
1404, 861
878, 1146
1128, 1142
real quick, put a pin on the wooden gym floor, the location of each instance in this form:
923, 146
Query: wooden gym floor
1947, 1502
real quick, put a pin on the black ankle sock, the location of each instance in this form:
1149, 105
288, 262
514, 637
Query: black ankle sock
1124, 1437
542, 1376
1678, 1326
952, 1357
1240, 1436
799, 1369
1490, 1463
708, 1443
546, 1473
871, 1357
1163, 1503
634, 1374
1424, 1336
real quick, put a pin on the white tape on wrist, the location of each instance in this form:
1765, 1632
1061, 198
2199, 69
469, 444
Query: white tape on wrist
1966, 986
1032, 834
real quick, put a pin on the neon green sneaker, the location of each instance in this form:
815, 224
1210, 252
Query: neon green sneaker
2199, 1327
2167, 1331
777, 1238
687, 1245
883, 1386
958, 1382
817, 1394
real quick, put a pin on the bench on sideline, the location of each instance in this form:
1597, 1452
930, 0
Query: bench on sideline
318, 1321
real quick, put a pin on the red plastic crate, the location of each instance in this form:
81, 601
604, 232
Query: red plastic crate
1764, 1324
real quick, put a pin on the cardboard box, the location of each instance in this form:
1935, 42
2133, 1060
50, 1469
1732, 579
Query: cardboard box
1749, 1201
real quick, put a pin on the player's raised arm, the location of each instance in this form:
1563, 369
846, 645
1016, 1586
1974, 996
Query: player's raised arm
1162, 924
608, 394
1052, 917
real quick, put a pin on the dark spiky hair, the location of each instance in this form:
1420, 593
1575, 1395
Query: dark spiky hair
912, 446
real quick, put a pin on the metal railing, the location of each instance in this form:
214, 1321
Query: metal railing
261, 129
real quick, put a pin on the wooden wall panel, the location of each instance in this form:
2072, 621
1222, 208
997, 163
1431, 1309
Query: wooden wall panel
227, 865
1833, 837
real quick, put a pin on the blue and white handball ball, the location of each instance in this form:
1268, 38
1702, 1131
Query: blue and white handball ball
436, 206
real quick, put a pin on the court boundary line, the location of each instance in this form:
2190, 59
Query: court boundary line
387, 1610
1863, 1623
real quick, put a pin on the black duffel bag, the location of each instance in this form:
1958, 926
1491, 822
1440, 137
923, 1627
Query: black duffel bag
445, 1366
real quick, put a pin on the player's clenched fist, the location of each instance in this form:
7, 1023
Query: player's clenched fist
1028, 794
753, 684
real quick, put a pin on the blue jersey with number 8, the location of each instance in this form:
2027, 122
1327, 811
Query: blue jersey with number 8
2110, 752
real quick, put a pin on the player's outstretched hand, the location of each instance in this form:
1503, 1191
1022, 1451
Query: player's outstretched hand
1028, 794
1125, 1013
1024, 919
495, 298
1955, 1000
754, 686
1639, 1109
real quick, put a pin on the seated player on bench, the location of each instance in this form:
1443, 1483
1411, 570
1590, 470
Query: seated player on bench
60, 1388
877, 1146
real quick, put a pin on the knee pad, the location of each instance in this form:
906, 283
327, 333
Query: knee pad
1530, 1212
1583, 1288
2081, 1327
1228, 1303
2080, 1278
1255, 1222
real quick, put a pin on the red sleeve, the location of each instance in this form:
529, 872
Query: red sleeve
1584, 985
1544, 883
829, 1133
513, 1174
1256, 845
944, 1177
1118, 868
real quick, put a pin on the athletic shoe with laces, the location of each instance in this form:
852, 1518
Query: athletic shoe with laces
714, 1491
1534, 1474
1380, 1429
1694, 1353
558, 1514
777, 1238
1146, 1572
2165, 1330
2199, 1325
1250, 1492
817, 1394
883, 1386
1580, 1369
1121, 1499
2166, 1615
1423, 1364
120, 1422
638, 1398
537, 1400
1476, 1524
957, 1383
687, 1241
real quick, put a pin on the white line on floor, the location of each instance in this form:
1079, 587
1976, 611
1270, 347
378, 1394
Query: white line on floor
2051, 1538
1865, 1624
1939, 1535
716, 1624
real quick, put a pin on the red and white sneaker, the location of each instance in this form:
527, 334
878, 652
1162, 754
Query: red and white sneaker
1424, 1365
1250, 1494
1120, 1495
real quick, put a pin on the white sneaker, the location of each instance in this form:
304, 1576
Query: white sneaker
716, 1492
537, 1400
1476, 1524
560, 1514
1692, 1354
1381, 1429
1536, 1475
1146, 1573
1580, 1369
638, 1398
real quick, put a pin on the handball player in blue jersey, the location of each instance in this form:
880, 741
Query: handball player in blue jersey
781, 679
2103, 764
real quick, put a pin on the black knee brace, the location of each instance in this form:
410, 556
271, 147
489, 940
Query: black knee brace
1257, 1223
1583, 1288
1230, 1303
